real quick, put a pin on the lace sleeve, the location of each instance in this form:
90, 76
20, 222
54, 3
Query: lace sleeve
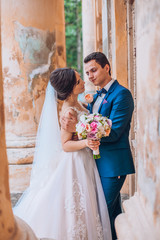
70, 110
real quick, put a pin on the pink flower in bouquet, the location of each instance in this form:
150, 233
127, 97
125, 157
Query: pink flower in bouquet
82, 125
91, 135
94, 130
93, 125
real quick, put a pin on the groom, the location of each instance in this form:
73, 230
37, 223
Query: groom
115, 102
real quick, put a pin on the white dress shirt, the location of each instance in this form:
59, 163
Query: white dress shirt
100, 98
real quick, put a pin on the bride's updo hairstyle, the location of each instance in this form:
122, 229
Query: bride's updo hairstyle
63, 80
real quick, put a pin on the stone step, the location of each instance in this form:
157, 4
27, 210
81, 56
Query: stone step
19, 177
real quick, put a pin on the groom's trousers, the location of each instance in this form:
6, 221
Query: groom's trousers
111, 187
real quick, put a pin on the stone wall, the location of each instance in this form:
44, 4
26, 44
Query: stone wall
141, 219
33, 44
148, 106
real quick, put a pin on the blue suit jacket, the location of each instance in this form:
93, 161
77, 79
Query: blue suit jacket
116, 158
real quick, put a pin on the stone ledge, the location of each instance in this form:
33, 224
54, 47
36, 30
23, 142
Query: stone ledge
123, 228
14, 141
135, 223
20, 155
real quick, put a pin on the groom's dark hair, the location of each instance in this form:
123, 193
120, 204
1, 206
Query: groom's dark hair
63, 80
100, 58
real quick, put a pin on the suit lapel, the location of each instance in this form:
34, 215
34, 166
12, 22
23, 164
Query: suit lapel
111, 89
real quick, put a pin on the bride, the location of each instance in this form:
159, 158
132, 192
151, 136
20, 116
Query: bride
65, 200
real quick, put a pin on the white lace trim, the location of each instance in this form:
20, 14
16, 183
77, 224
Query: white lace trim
99, 228
79, 231
76, 206
76, 203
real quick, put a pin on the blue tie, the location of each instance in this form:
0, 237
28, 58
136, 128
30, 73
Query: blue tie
103, 90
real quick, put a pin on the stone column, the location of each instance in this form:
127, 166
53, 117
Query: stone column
117, 48
10, 227
98, 17
141, 220
118, 45
105, 28
33, 40
89, 35
7, 225
131, 38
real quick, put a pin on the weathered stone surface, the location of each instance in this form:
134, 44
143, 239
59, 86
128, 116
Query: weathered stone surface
119, 65
20, 155
18, 141
141, 220
125, 188
135, 212
89, 36
148, 91
23, 231
33, 45
19, 177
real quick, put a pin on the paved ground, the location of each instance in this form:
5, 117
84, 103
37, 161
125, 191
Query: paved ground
16, 196
124, 197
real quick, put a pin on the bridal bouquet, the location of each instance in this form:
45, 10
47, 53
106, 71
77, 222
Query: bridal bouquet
93, 126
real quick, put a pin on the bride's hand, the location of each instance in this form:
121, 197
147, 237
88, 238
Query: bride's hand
92, 144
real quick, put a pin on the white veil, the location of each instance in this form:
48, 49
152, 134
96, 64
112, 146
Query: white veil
48, 142
47, 151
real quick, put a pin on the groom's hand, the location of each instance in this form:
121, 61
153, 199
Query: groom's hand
69, 123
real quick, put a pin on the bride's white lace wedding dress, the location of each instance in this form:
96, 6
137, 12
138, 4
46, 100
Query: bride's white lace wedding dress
71, 204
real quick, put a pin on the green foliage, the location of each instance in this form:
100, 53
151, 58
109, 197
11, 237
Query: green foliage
73, 25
